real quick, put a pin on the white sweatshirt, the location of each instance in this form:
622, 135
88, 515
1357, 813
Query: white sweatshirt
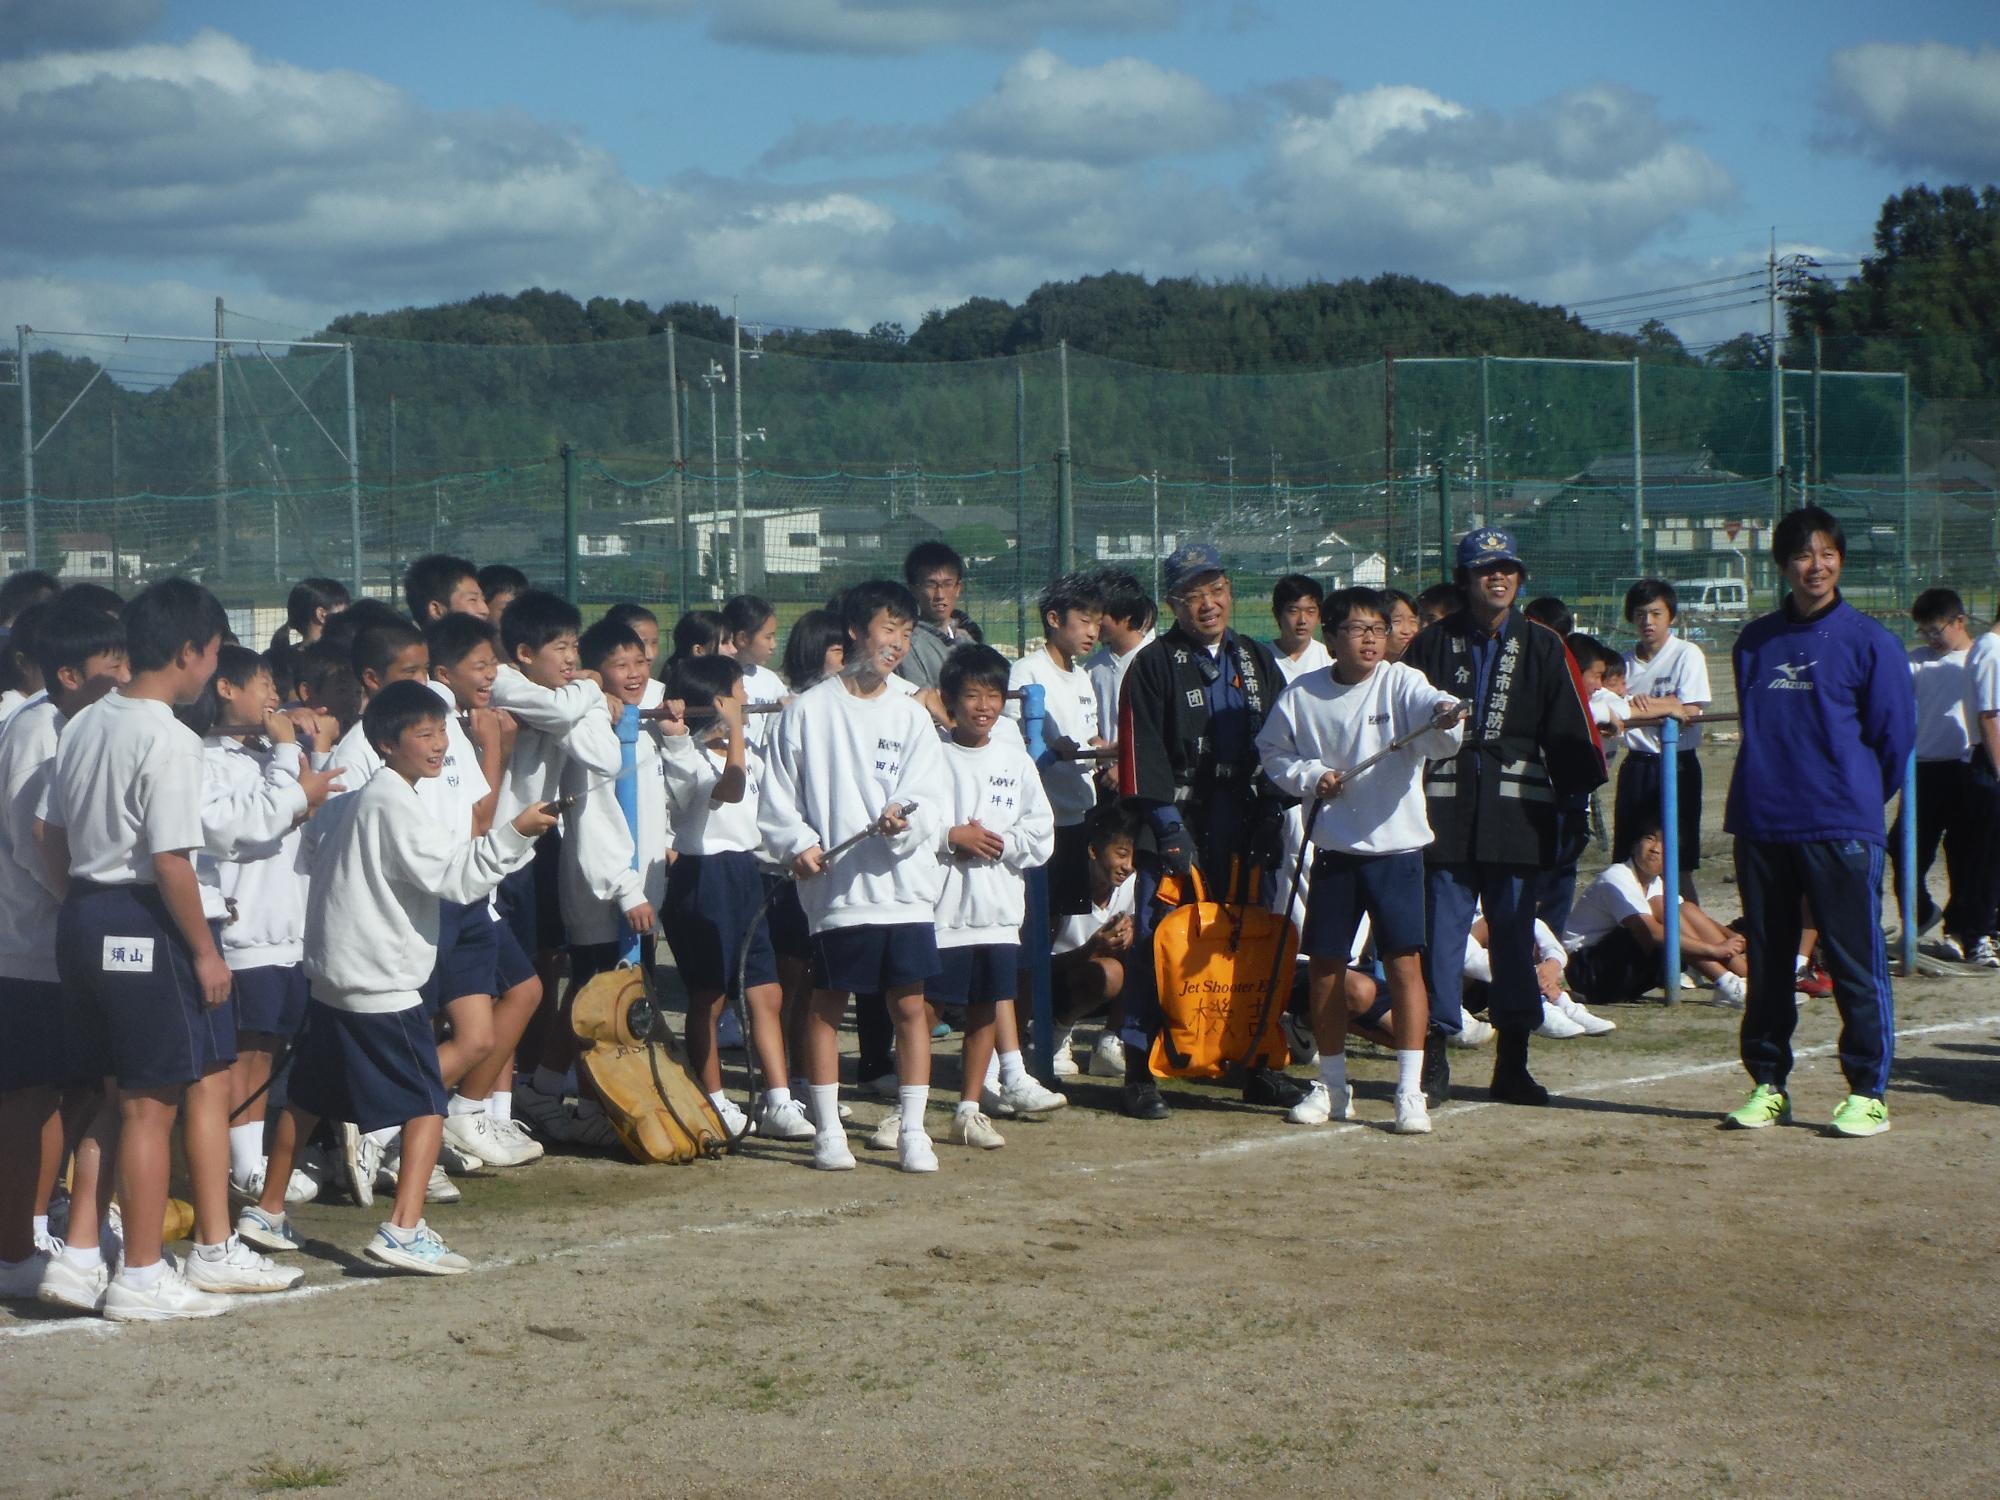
762, 685
251, 804
447, 796
547, 717
836, 761
379, 865
701, 824
1071, 704
596, 881
1320, 725
984, 900
28, 903
1107, 669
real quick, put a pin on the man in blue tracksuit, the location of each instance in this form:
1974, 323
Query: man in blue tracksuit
1829, 717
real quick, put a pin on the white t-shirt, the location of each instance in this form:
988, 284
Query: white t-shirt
702, 825
1107, 669
1939, 680
127, 786
1081, 928
761, 685
1982, 683
1610, 899
1071, 704
1677, 670
1607, 707
1311, 659
462, 783
28, 902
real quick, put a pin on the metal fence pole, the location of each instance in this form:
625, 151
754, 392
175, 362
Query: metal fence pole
680, 478
1909, 880
27, 443
1638, 478
353, 473
1065, 483
221, 455
570, 581
1670, 838
1020, 508
1444, 526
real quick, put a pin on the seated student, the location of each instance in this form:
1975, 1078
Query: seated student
438, 584
851, 757
1664, 674
1091, 949
935, 575
380, 864
147, 991
256, 791
1403, 625
1563, 1016
1618, 927
1070, 613
1944, 745
80, 653
714, 891
1369, 836
1295, 604
501, 584
1125, 625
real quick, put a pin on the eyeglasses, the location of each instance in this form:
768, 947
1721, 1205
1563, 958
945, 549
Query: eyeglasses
1359, 632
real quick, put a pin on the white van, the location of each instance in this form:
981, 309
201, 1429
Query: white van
1716, 598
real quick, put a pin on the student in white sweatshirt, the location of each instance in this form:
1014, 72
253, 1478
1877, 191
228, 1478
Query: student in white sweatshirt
1296, 603
379, 866
1370, 835
852, 757
1126, 627
256, 791
1071, 609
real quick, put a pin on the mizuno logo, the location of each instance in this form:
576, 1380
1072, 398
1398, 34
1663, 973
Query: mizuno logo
1787, 679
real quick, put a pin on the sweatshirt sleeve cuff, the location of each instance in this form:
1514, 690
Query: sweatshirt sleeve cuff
510, 841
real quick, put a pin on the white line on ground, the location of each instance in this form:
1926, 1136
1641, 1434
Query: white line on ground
1276, 1142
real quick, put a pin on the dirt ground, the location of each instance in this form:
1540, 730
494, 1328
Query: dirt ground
1609, 1296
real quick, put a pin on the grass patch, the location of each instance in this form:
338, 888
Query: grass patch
272, 1476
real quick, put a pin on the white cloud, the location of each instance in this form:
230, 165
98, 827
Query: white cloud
1918, 105
30, 26
1123, 110
893, 27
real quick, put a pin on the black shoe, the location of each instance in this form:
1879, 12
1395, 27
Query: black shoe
1516, 1087
1140, 1100
1269, 1086
1436, 1076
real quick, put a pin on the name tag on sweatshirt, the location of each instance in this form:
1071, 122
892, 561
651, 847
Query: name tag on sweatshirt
132, 955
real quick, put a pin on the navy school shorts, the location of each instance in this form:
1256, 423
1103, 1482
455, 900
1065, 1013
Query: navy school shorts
550, 932
1388, 887
512, 964
975, 974
375, 1069
515, 901
859, 960
786, 921
34, 1050
271, 999
1612, 969
711, 901
134, 1011
468, 955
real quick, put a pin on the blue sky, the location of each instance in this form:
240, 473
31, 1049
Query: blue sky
836, 162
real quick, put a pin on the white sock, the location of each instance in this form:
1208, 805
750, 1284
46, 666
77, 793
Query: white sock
555, 1085
968, 1106
777, 1098
826, 1107
1410, 1071
992, 1078
83, 1257
459, 1105
1333, 1073
211, 1252
145, 1278
910, 1101
501, 1105
41, 1226
246, 1149
1012, 1069
1799, 964
398, 1233
386, 1137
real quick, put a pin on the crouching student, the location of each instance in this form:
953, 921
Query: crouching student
1091, 949
1369, 836
147, 989
998, 825
366, 1057
1618, 928
715, 889
1563, 1015
852, 757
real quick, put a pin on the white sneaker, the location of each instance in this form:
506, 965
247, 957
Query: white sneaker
425, 1254
1413, 1116
1065, 1058
784, 1122
476, 1136
239, 1269
1945, 947
23, 1282
914, 1153
1472, 1032
439, 1189
1556, 1025
249, 1187
994, 1102
514, 1132
170, 1298
1986, 954
1688, 981
1300, 1039
1731, 990
971, 1128
887, 1133
63, 1285
269, 1232
1317, 1106
1107, 1058
360, 1159
734, 1121
1027, 1096
830, 1153
1592, 1024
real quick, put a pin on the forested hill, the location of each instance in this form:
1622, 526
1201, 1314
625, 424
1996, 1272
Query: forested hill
1172, 323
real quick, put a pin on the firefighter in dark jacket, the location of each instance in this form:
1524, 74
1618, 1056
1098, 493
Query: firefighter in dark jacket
1529, 745
1188, 715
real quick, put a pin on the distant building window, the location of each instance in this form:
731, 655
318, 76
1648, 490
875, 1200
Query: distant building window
801, 539
99, 563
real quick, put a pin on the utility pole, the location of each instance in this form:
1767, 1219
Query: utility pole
680, 471
21, 331
1777, 385
1065, 491
221, 455
114, 449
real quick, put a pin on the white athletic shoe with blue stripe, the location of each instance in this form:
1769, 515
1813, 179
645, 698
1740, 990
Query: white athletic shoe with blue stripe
423, 1252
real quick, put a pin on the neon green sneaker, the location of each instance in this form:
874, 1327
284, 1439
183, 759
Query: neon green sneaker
1765, 1106
1860, 1115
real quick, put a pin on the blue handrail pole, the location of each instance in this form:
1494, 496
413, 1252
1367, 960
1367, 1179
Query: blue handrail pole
1035, 948
1909, 880
1670, 838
